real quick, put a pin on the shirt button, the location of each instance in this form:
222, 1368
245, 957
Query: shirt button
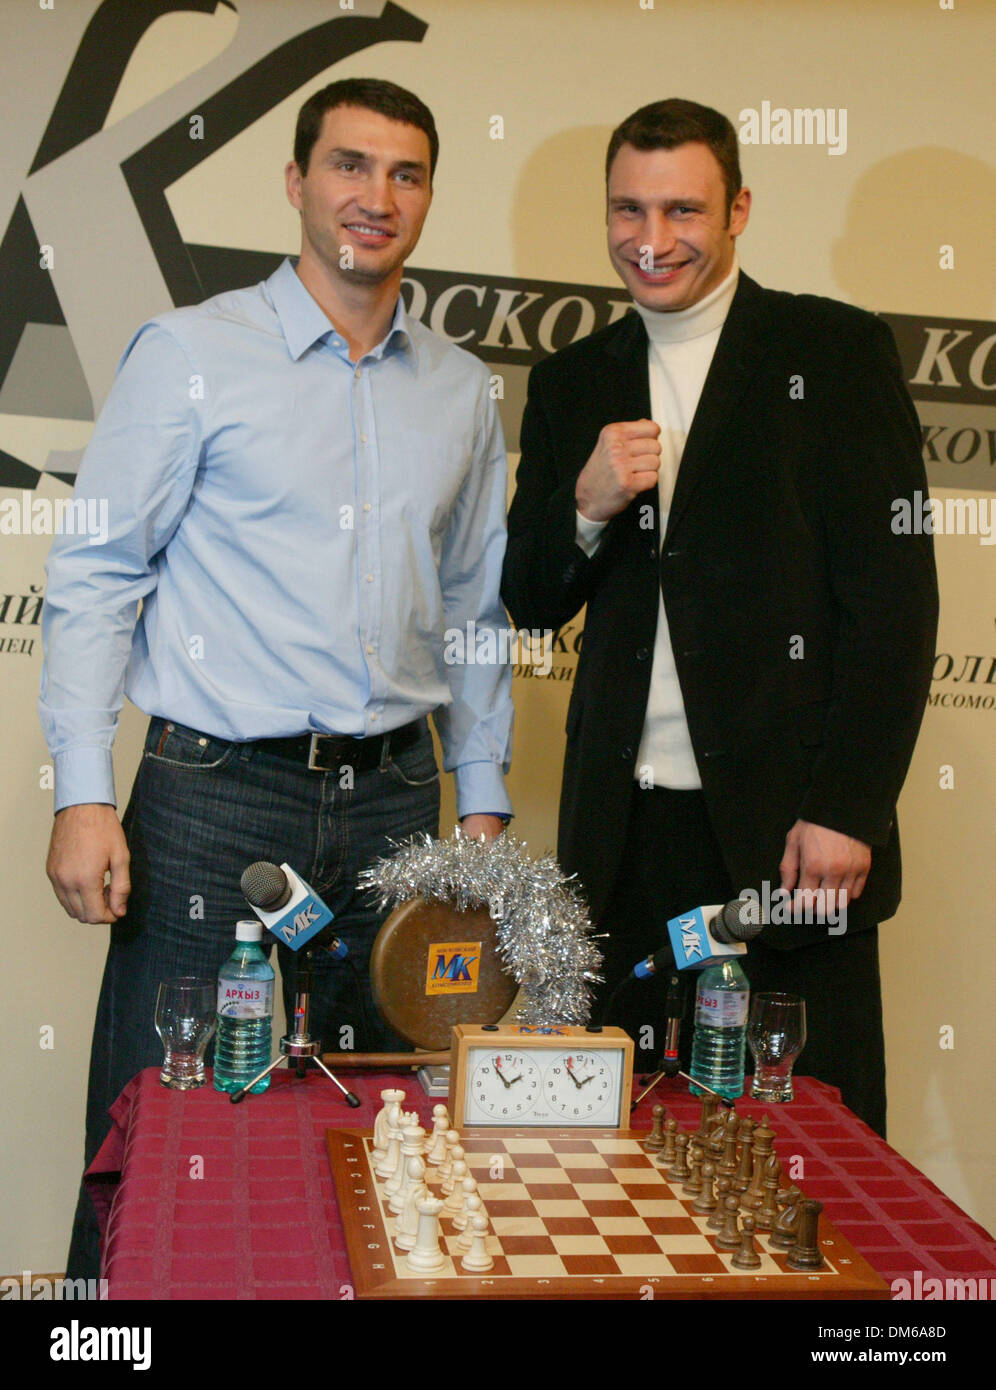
358, 373
363, 439
375, 716
370, 651
366, 506
369, 578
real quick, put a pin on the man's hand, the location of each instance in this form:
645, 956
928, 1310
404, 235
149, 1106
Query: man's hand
87, 841
818, 858
488, 826
625, 461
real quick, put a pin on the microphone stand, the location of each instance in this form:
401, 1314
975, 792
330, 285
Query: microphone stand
299, 1044
674, 1009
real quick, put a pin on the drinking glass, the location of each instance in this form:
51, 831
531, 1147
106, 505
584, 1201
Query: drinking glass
776, 1033
185, 1020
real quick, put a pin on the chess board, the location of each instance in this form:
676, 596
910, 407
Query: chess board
573, 1214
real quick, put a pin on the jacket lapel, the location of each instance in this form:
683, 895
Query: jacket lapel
626, 375
625, 394
745, 338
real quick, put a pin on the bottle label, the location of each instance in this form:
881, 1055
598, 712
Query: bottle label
721, 1008
245, 998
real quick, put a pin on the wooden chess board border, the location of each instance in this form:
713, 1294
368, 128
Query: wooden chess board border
373, 1258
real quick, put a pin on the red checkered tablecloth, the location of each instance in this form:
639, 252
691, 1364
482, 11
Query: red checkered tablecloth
203, 1199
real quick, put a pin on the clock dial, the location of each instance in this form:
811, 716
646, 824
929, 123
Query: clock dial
504, 1084
578, 1085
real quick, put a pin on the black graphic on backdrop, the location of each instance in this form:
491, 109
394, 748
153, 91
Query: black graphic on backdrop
81, 109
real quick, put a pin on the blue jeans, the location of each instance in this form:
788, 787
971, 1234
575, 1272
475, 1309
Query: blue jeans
201, 811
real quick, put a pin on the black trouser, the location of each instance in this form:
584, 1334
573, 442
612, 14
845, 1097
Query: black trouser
673, 863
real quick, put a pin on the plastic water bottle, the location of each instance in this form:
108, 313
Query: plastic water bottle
245, 1012
718, 1044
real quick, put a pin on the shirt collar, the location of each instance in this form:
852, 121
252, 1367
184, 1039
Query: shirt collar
305, 323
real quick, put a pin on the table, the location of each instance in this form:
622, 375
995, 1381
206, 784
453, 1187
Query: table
199, 1198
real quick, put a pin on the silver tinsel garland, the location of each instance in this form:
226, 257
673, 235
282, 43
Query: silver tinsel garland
543, 929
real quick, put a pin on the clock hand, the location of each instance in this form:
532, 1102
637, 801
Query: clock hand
570, 1072
500, 1074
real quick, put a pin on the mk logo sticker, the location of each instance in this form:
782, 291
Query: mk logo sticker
452, 967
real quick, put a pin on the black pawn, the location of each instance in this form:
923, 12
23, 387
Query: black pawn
679, 1169
747, 1257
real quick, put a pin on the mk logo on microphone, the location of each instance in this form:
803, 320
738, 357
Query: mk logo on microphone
301, 922
691, 939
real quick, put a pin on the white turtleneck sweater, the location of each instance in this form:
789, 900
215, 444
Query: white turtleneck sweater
681, 345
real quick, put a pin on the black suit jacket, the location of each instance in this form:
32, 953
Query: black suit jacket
779, 529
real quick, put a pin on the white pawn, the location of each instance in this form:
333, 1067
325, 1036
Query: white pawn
469, 1186
454, 1202
440, 1124
477, 1259
426, 1257
457, 1155
474, 1207
452, 1140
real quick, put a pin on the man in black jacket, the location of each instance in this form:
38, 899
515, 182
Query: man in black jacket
758, 639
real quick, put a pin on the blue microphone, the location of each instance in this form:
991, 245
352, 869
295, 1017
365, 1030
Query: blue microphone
706, 935
289, 907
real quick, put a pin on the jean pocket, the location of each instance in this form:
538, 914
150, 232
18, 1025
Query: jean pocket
174, 745
416, 766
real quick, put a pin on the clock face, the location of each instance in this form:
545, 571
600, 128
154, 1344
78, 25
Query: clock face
579, 1085
522, 1084
504, 1085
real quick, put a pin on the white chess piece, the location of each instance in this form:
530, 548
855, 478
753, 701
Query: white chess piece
468, 1186
454, 1202
477, 1260
457, 1155
426, 1257
411, 1147
440, 1124
392, 1099
406, 1226
474, 1206
452, 1139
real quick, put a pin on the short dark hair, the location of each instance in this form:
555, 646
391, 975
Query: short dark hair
371, 93
663, 125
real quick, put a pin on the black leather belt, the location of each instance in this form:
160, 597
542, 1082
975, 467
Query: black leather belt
330, 752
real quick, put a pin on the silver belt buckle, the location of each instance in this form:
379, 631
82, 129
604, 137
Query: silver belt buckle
313, 765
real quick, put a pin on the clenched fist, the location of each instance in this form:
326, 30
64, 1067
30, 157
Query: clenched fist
625, 461
87, 845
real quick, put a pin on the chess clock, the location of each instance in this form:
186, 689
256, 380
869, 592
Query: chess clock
540, 1078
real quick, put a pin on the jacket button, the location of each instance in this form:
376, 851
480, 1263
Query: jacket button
627, 754
642, 653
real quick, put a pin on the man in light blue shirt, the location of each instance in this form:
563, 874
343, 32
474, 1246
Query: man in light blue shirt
306, 491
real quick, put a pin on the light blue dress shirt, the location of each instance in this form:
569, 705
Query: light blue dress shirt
300, 532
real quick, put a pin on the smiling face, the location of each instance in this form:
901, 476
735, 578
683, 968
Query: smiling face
668, 208
367, 189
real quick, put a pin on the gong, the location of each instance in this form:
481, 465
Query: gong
433, 967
